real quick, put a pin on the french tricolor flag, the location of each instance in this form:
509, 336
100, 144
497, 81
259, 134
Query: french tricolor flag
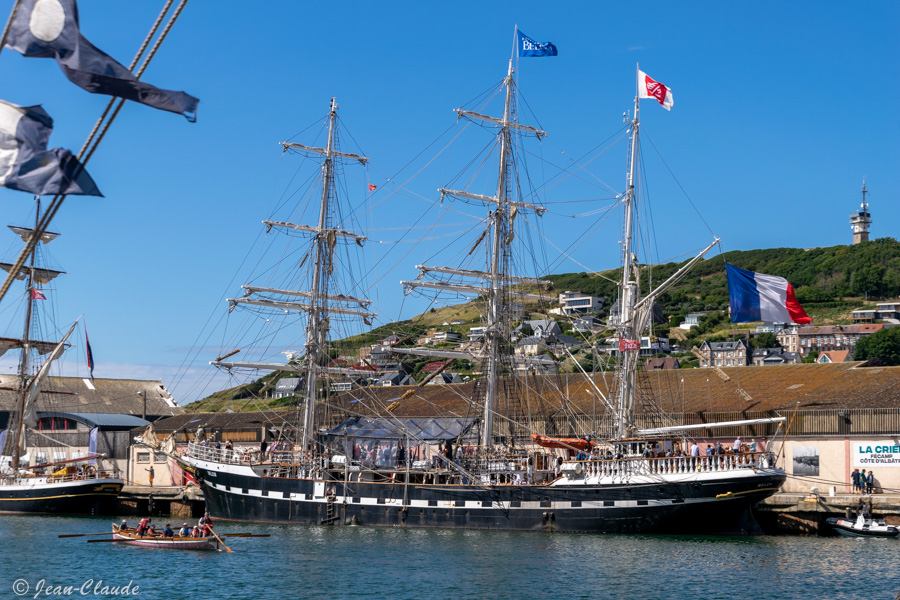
759, 297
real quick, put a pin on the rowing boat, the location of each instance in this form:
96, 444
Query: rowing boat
130, 537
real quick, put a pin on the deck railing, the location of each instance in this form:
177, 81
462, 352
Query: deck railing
91, 476
248, 456
677, 464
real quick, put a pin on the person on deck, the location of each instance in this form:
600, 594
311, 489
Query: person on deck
185, 530
737, 445
854, 479
167, 531
753, 445
150, 476
695, 449
870, 482
196, 532
124, 525
151, 531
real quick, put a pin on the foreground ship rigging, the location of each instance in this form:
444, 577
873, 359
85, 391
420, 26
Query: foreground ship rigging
76, 486
377, 471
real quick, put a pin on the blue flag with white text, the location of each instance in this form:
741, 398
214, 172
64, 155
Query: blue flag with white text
50, 29
529, 47
26, 164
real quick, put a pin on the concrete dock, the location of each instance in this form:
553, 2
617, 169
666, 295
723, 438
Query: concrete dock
177, 502
795, 513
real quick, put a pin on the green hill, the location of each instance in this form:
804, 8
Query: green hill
829, 282
822, 277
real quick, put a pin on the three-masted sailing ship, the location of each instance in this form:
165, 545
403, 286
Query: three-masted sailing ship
368, 471
74, 486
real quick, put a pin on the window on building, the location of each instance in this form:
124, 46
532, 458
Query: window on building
159, 456
59, 456
56, 424
143, 457
40, 458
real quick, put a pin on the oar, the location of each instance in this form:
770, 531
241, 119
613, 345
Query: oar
83, 534
215, 535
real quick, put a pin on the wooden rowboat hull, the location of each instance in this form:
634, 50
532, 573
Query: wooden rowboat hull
172, 543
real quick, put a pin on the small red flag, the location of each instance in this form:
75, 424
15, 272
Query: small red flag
626, 344
37, 295
649, 88
372, 187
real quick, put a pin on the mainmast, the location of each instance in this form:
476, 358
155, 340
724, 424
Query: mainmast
500, 223
495, 282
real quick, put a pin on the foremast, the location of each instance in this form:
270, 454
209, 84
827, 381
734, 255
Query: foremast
635, 312
318, 303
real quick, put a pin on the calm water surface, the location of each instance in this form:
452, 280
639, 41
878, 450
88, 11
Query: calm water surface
350, 562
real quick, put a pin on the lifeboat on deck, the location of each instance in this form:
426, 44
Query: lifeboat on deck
564, 443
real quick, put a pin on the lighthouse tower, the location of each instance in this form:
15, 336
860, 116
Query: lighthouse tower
860, 220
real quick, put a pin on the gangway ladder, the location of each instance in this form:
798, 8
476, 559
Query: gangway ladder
331, 508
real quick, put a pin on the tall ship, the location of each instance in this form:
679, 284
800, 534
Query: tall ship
29, 485
357, 460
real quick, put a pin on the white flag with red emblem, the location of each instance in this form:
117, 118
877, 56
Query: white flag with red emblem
649, 88
625, 344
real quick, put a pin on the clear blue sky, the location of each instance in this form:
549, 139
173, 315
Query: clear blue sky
781, 109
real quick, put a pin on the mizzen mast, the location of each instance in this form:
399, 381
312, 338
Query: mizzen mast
635, 312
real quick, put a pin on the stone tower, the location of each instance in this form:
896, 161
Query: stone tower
861, 219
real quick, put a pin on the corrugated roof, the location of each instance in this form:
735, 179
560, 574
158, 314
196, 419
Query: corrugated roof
777, 388
772, 388
102, 420
116, 396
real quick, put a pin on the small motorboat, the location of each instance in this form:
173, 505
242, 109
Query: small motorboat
863, 527
130, 536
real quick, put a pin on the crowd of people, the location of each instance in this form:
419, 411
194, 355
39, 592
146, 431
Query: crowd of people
145, 528
863, 483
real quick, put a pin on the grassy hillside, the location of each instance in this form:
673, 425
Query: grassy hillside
829, 282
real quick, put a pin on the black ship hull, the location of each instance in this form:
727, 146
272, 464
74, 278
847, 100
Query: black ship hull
86, 497
720, 505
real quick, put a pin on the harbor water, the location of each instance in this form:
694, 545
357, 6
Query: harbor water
357, 562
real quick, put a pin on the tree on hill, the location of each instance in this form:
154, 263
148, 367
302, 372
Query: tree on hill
883, 345
766, 340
